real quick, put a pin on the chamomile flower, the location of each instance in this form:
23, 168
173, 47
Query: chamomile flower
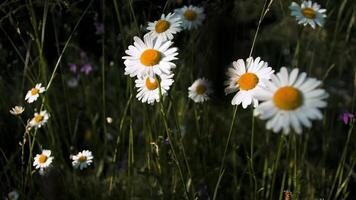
43, 160
17, 110
192, 16
165, 28
33, 94
82, 159
200, 90
291, 101
308, 13
247, 78
148, 87
149, 56
39, 119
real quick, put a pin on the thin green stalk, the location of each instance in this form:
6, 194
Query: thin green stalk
340, 167
221, 169
170, 140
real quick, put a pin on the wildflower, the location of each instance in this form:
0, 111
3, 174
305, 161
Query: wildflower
17, 110
346, 117
99, 28
247, 78
39, 119
192, 16
13, 195
34, 93
72, 67
164, 28
308, 13
149, 57
200, 90
148, 87
43, 160
82, 159
291, 100
73, 82
109, 120
86, 68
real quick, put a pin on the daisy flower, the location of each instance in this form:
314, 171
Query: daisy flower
308, 13
39, 119
192, 16
17, 110
164, 28
247, 78
43, 160
82, 159
200, 90
34, 93
148, 87
149, 56
291, 101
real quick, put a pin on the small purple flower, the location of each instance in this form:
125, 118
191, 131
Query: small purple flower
86, 68
99, 28
346, 117
72, 67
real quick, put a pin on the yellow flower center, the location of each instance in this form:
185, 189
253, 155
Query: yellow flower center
248, 81
150, 57
82, 159
34, 91
42, 159
309, 13
38, 118
151, 85
288, 98
190, 15
200, 89
162, 26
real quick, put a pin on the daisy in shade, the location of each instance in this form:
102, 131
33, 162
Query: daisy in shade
17, 110
291, 100
33, 94
200, 90
149, 56
39, 119
82, 159
148, 87
164, 28
192, 16
247, 78
308, 13
43, 160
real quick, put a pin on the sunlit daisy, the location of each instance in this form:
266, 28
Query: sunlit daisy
164, 28
82, 159
43, 160
39, 119
291, 101
308, 13
148, 87
247, 78
200, 90
192, 16
34, 93
149, 57
17, 110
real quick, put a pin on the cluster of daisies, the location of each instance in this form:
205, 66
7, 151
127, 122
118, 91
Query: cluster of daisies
287, 100
44, 160
151, 60
80, 161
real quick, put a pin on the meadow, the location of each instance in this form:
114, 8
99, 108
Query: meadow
177, 99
